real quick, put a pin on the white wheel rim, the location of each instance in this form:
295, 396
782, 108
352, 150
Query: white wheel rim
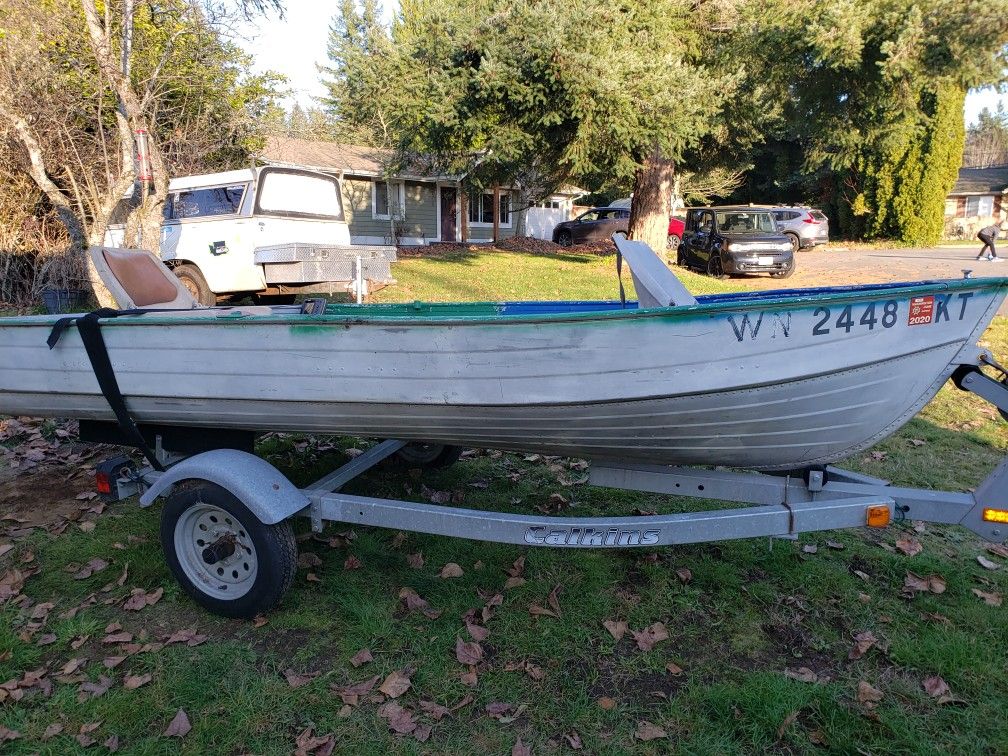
202, 525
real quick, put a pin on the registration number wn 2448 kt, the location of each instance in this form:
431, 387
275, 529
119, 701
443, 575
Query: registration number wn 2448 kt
923, 310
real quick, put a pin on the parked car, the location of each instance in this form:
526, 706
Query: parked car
676, 226
804, 226
733, 240
593, 225
270, 232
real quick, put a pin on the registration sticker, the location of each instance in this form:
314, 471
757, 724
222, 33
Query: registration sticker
921, 310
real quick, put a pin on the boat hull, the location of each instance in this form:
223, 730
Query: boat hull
778, 380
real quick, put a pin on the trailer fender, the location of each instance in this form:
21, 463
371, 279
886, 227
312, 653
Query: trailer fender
257, 484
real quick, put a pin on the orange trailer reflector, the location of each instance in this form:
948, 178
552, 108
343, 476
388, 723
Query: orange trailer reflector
995, 515
877, 516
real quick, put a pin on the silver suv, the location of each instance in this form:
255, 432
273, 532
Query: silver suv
804, 226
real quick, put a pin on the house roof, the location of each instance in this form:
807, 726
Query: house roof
993, 180
325, 156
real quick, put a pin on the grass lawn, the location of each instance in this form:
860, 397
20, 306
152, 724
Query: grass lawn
761, 653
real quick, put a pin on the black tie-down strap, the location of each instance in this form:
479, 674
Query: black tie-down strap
619, 277
97, 352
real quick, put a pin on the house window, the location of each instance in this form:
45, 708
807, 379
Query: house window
979, 206
951, 205
387, 199
481, 209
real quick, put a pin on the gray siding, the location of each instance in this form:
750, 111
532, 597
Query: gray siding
421, 211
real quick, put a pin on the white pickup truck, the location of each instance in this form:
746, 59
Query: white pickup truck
270, 232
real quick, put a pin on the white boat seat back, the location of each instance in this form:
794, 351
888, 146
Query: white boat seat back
138, 280
656, 285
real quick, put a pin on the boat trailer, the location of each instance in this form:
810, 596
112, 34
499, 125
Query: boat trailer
227, 535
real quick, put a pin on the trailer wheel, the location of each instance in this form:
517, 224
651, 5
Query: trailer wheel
222, 555
428, 456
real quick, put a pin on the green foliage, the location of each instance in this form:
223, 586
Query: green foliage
866, 101
491, 89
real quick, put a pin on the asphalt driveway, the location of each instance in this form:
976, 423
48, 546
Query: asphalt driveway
836, 266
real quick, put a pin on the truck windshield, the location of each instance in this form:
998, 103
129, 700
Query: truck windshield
745, 222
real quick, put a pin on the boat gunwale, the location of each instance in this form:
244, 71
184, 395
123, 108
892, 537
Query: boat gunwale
745, 301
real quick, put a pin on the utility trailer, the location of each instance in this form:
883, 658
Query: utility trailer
226, 523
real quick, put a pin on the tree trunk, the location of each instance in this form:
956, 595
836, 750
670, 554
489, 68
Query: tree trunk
464, 212
652, 199
519, 218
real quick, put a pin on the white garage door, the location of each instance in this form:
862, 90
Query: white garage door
542, 218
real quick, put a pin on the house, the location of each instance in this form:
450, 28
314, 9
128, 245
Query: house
976, 200
413, 207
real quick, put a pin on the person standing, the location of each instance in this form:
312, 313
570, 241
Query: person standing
988, 235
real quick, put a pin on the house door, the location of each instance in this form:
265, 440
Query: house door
449, 207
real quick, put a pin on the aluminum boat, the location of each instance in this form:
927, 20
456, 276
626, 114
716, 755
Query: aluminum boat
772, 380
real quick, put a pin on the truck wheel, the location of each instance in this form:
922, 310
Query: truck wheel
428, 456
222, 555
564, 238
193, 280
673, 242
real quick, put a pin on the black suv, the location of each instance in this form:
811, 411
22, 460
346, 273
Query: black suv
734, 240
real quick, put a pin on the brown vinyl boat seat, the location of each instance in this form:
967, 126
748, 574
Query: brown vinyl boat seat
138, 280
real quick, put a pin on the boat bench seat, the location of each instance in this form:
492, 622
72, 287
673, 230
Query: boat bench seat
656, 285
138, 280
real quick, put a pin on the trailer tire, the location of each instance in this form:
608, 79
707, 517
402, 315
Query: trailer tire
253, 578
428, 456
193, 280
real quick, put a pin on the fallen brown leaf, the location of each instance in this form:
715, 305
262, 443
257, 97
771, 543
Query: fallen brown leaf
52, 731
351, 563
573, 740
296, 680
95, 565
998, 549
646, 731
520, 749
935, 686
397, 683
617, 628
451, 570
468, 653
862, 642
802, 674
649, 636
400, 719
435, 711
991, 598
868, 694
606, 703
259, 620
132, 682
361, 657
786, 724
909, 545
673, 669
684, 574
179, 727
416, 561
477, 632
351, 693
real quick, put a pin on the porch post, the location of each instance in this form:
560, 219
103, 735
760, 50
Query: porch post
463, 213
496, 214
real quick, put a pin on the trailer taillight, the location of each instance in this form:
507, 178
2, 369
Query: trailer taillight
103, 483
877, 516
995, 515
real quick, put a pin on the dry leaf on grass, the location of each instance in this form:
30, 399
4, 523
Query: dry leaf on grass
606, 703
810, 548
649, 636
397, 683
351, 694
802, 674
998, 549
909, 545
786, 724
468, 653
296, 680
862, 642
361, 657
414, 602
986, 563
868, 694
400, 719
179, 727
554, 611
617, 628
139, 599
477, 632
132, 682
935, 686
89, 569
646, 731
451, 570
914, 583
416, 561
684, 574
573, 740
673, 669
435, 711
991, 598
351, 563
520, 749
259, 620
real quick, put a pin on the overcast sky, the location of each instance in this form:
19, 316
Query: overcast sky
297, 44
